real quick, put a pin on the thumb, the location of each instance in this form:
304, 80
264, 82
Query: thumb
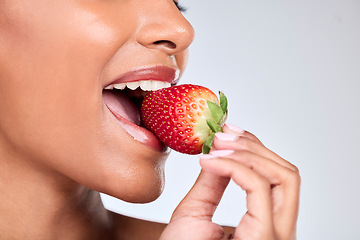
203, 198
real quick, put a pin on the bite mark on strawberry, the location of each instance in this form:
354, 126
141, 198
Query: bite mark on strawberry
184, 117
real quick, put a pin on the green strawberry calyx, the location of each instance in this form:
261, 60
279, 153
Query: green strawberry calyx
219, 114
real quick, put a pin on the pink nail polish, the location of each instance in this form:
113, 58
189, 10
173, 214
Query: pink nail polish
221, 153
234, 128
216, 153
226, 136
207, 156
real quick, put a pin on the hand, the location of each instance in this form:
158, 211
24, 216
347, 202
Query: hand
271, 183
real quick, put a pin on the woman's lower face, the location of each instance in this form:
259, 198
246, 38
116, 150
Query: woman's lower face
56, 59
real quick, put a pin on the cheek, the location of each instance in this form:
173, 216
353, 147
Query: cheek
50, 75
50, 93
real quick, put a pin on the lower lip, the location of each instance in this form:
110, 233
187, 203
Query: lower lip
140, 134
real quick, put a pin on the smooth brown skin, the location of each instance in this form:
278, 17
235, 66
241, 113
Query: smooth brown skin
60, 146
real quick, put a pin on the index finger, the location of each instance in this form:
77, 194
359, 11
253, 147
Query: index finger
232, 129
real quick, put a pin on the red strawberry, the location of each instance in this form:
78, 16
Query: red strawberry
184, 117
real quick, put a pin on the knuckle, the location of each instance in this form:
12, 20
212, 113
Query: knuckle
291, 166
294, 177
296, 169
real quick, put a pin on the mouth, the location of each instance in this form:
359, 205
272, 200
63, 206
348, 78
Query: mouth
123, 98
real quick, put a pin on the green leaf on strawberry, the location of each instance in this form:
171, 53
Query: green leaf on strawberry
207, 144
216, 111
214, 126
223, 102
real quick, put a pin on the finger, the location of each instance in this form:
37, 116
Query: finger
285, 186
232, 129
257, 187
224, 141
203, 198
275, 173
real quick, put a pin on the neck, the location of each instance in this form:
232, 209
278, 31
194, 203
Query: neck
38, 205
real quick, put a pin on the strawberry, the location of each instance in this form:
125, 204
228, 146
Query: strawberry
184, 117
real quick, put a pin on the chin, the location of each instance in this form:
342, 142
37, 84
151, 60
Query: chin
136, 178
140, 188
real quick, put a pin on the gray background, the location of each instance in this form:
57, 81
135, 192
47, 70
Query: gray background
291, 70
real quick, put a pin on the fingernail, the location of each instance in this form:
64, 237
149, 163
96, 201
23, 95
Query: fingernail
216, 153
207, 156
234, 128
226, 136
221, 153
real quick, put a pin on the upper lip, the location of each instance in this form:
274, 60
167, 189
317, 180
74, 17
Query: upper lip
157, 72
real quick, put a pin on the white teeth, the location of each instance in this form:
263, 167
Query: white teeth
120, 86
157, 85
133, 85
167, 84
145, 85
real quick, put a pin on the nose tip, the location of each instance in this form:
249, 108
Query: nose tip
169, 31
